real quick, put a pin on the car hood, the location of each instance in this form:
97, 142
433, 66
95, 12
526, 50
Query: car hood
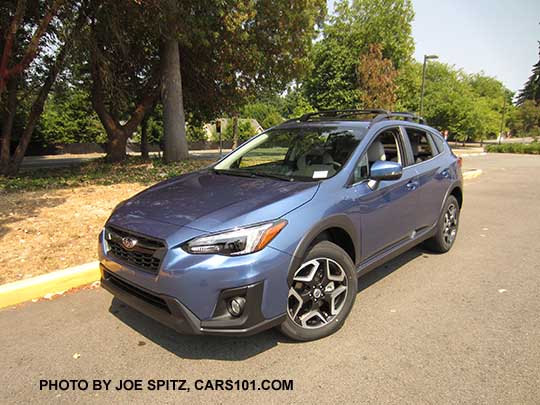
210, 202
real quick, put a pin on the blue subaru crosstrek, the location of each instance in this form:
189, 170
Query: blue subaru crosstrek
277, 232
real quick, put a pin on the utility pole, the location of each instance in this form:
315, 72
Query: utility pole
502, 118
426, 58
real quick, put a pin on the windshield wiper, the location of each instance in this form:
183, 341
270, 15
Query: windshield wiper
245, 173
274, 176
230, 172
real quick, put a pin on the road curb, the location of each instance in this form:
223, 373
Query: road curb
471, 154
50, 283
472, 174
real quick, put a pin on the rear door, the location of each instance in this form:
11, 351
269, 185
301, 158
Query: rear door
385, 212
433, 175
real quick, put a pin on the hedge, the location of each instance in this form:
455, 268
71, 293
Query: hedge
528, 148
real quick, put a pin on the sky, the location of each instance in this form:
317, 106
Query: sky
498, 37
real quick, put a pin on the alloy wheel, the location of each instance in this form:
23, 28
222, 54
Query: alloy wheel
450, 224
318, 292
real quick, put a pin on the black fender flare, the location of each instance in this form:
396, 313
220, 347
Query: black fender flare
453, 186
334, 221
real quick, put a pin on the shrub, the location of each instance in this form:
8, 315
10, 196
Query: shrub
526, 148
245, 130
195, 133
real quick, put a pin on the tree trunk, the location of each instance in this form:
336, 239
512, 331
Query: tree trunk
9, 44
117, 145
35, 113
235, 131
174, 121
8, 116
144, 137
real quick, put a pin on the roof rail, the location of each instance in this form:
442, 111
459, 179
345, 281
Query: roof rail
340, 113
380, 115
408, 116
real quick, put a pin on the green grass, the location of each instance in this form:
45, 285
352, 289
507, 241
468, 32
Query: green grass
98, 172
527, 148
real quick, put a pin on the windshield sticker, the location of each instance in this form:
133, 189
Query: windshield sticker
320, 174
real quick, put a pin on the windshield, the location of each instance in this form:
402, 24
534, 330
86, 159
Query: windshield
296, 154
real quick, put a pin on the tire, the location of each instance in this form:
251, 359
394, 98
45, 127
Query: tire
447, 227
329, 270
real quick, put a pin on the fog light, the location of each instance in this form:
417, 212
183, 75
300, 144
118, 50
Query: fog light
236, 306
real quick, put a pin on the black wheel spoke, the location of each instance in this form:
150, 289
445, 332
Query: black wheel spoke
317, 293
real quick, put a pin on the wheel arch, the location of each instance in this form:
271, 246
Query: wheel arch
338, 229
457, 192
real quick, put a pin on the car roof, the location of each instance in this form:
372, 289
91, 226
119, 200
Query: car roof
351, 124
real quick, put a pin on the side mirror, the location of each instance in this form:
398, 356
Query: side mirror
382, 170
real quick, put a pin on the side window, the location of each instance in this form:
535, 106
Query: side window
385, 146
438, 141
420, 144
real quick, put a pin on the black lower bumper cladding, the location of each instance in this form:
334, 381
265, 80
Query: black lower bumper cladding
172, 313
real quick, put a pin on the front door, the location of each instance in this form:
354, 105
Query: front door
385, 211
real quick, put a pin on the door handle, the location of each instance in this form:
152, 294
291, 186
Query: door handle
445, 173
412, 185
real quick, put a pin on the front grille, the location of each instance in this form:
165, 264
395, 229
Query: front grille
143, 295
146, 255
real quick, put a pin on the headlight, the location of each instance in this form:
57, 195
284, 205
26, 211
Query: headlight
236, 242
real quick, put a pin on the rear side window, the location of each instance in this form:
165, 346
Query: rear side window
421, 146
438, 141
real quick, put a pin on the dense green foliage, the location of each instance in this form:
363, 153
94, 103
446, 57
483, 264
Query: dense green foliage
69, 118
245, 130
531, 90
530, 148
333, 81
469, 106
271, 68
525, 119
266, 114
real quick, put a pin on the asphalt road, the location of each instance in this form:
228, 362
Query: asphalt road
463, 327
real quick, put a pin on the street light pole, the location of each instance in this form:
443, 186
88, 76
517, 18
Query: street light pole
426, 58
502, 119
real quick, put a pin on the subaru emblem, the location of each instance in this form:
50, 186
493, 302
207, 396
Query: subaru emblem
129, 243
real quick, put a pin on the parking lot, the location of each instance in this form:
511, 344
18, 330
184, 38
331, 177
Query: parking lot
454, 328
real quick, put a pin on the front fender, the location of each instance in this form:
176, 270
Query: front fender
341, 221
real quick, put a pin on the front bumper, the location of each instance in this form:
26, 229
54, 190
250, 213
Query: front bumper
188, 293
172, 313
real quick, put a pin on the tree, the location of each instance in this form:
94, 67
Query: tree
227, 51
295, 103
408, 83
16, 72
266, 114
376, 79
333, 81
68, 117
469, 106
531, 90
244, 130
525, 120
9, 67
124, 77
